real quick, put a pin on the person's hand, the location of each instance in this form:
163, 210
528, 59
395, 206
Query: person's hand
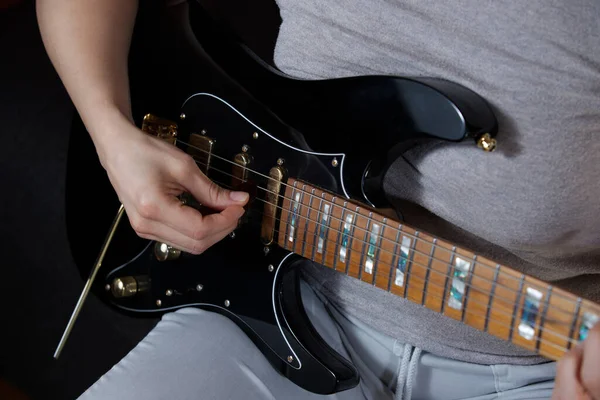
148, 174
578, 371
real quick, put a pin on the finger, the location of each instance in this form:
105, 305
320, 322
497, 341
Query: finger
567, 384
208, 192
590, 364
160, 232
168, 210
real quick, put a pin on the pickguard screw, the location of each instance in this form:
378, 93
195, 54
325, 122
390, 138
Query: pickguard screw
255, 135
203, 132
199, 287
232, 235
290, 359
245, 148
182, 116
107, 287
158, 302
169, 292
334, 162
227, 303
271, 267
266, 250
280, 161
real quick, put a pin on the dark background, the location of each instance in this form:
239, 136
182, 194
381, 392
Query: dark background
40, 280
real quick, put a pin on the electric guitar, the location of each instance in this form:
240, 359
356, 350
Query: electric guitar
315, 179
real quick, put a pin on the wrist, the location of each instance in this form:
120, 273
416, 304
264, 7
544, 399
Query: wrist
108, 127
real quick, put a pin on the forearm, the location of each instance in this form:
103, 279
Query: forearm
88, 43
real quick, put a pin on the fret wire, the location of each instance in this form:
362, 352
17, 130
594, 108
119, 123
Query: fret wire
306, 223
376, 260
508, 276
448, 273
499, 322
314, 249
554, 333
409, 266
491, 299
283, 196
394, 255
467, 287
351, 241
574, 322
514, 314
339, 235
362, 255
426, 284
260, 174
505, 300
543, 318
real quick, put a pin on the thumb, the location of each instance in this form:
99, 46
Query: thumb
211, 194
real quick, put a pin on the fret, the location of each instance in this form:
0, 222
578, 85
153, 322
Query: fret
514, 313
339, 234
529, 312
393, 266
428, 271
374, 234
409, 266
305, 237
348, 224
300, 197
479, 292
379, 245
292, 217
330, 217
574, 322
452, 257
319, 228
458, 287
467, 287
362, 253
351, 241
491, 299
543, 318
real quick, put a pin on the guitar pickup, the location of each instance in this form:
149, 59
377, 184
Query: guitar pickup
239, 173
271, 210
200, 148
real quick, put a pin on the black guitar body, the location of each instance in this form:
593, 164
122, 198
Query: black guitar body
339, 135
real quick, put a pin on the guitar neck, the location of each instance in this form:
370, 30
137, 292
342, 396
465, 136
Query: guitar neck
361, 243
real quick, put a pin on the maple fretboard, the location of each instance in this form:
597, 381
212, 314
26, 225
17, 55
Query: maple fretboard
359, 242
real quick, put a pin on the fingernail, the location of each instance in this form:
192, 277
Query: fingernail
238, 196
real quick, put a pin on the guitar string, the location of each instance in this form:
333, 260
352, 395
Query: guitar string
426, 294
381, 249
517, 279
429, 295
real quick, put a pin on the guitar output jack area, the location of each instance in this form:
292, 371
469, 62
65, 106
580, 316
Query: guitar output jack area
128, 286
164, 252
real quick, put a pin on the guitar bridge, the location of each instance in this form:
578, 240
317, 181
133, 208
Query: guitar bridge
161, 128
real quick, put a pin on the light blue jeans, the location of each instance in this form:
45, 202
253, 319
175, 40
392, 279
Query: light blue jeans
197, 354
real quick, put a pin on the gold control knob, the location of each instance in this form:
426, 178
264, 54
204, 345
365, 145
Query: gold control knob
127, 286
164, 252
486, 142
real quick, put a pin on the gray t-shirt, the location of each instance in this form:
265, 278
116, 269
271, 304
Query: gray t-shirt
532, 205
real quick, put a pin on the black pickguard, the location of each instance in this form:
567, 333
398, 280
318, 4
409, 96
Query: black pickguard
360, 122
